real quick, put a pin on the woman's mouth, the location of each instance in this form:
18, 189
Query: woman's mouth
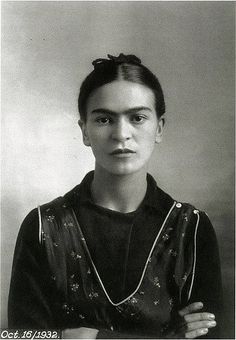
122, 153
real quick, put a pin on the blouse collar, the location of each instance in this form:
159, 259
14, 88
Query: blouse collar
155, 197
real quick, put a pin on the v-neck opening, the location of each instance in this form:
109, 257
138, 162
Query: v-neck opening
144, 268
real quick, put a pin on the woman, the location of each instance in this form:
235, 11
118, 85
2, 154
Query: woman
117, 257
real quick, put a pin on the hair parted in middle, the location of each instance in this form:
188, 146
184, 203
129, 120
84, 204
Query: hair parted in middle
123, 67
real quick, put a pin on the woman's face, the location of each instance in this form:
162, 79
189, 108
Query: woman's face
122, 126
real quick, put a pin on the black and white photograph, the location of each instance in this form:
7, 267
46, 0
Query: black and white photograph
118, 165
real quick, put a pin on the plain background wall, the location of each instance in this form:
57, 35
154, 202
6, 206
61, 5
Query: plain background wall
47, 49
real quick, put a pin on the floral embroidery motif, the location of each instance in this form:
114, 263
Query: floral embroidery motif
44, 236
81, 316
55, 244
74, 287
172, 252
75, 256
133, 300
67, 308
141, 292
165, 237
50, 218
68, 224
156, 282
184, 278
93, 295
156, 302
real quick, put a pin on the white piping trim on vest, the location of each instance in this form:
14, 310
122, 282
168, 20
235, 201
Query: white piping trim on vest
145, 267
195, 254
40, 224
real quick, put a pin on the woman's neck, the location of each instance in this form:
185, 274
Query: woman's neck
122, 193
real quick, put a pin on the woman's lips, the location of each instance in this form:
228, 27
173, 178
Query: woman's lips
122, 153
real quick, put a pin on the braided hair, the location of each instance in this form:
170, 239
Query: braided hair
124, 67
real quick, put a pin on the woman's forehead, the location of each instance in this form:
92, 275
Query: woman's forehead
121, 96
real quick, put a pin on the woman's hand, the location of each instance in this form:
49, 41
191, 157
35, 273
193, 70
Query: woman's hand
192, 323
79, 333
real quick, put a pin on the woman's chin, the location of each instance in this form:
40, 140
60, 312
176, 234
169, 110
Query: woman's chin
123, 170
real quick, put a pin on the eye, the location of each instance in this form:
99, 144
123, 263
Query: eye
103, 120
138, 119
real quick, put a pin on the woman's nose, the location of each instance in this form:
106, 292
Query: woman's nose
121, 130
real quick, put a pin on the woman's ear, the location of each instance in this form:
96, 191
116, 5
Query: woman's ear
83, 127
160, 128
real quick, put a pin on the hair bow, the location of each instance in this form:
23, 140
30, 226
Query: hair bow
121, 59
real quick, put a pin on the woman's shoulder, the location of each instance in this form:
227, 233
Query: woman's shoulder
197, 218
30, 225
29, 229
201, 214
202, 224
167, 203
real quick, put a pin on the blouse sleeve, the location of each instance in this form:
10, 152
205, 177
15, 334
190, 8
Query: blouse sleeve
28, 304
207, 285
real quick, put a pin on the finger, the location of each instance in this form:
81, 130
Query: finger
198, 317
199, 325
196, 333
191, 308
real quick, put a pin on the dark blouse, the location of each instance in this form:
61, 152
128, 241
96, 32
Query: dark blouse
119, 242
119, 245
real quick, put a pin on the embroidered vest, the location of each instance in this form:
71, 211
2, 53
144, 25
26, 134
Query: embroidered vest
81, 298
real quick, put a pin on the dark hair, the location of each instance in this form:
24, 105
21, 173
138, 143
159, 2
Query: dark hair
123, 67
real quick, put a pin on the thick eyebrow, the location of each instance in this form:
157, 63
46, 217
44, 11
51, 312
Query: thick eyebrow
132, 110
